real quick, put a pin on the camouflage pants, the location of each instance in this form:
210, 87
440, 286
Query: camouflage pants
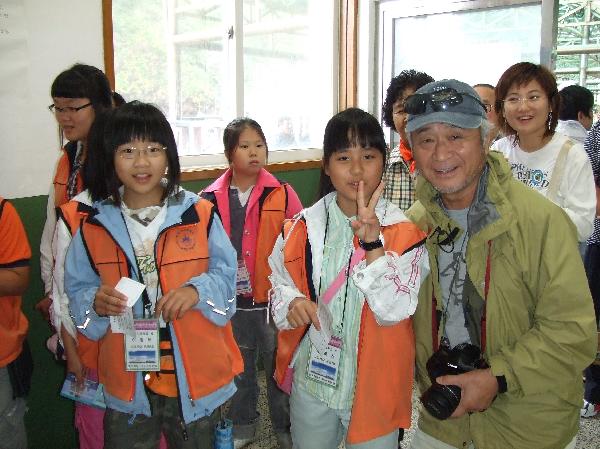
144, 432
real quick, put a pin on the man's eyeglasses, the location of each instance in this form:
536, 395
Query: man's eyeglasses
440, 101
488, 107
67, 109
151, 151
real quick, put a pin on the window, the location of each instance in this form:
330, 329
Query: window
473, 41
205, 62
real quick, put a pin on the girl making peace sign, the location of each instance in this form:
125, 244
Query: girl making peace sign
345, 276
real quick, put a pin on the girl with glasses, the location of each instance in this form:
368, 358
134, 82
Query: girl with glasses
527, 105
174, 366
79, 94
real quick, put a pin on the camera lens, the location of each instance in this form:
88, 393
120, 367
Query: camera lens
441, 400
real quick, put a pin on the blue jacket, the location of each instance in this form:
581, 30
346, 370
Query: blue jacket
218, 284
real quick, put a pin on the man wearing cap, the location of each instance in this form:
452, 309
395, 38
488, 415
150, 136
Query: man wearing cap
506, 277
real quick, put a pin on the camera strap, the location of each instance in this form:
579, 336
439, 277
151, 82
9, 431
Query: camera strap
436, 314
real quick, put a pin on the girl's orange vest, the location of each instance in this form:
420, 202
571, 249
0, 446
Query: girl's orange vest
273, 205
211, 357
61, 179
385, 355
272, 216
73, 214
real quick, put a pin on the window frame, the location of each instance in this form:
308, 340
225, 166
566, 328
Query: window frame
209, 166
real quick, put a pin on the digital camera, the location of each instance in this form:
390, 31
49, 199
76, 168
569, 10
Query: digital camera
441, 400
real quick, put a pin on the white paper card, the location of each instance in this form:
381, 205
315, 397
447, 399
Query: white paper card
123, 324
320, 339
130, 288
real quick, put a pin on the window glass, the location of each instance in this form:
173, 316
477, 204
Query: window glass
288, 70
479, 48
179, 55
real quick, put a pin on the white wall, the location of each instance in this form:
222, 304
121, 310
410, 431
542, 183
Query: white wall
46, 37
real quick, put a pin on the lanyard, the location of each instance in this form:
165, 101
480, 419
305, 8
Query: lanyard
435, 317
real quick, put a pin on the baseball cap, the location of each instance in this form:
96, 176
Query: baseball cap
447, 101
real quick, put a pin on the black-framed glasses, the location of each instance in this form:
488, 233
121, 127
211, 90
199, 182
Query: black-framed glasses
440, 100
67, 109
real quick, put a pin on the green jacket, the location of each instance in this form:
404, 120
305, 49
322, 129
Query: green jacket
540, 325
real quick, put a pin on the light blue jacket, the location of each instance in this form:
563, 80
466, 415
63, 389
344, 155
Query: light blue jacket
218, 284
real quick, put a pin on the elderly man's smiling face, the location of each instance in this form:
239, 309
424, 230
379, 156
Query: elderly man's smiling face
451, 159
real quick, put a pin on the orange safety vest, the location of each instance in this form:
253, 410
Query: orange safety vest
13, 323
385, 356
73, 213
272, 216
272, 208
211, 357
61, 177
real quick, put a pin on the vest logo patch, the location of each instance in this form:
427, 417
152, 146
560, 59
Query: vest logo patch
185, 239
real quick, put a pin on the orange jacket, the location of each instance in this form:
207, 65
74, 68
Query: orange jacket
386, 354
14, 252
73, 213
211, 357
61, 177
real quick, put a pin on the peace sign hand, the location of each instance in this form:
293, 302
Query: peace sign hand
366, 226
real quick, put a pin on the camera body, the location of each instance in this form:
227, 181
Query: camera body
441, 400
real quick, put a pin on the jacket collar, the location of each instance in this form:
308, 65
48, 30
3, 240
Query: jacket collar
109, 215
265, 179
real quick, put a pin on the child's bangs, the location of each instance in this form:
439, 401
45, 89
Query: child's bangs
130, 127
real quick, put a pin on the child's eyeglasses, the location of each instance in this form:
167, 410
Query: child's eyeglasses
440, 101
133, 152
67, 109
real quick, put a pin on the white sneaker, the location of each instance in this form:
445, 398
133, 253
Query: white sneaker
239, 443
589, 410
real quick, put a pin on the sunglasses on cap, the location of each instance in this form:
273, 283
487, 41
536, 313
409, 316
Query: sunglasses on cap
440, 100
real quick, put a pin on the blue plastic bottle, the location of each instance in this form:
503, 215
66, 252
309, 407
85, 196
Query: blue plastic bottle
224, 434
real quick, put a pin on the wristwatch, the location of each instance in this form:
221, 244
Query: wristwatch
370, 246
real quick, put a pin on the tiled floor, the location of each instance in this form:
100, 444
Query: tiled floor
587, 438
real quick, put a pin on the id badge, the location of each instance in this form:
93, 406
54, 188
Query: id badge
142, 352
324, 366
243, 286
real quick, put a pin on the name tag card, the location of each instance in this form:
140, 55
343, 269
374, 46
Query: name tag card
142, 352
324, 366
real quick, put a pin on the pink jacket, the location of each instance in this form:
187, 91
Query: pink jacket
220, 189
